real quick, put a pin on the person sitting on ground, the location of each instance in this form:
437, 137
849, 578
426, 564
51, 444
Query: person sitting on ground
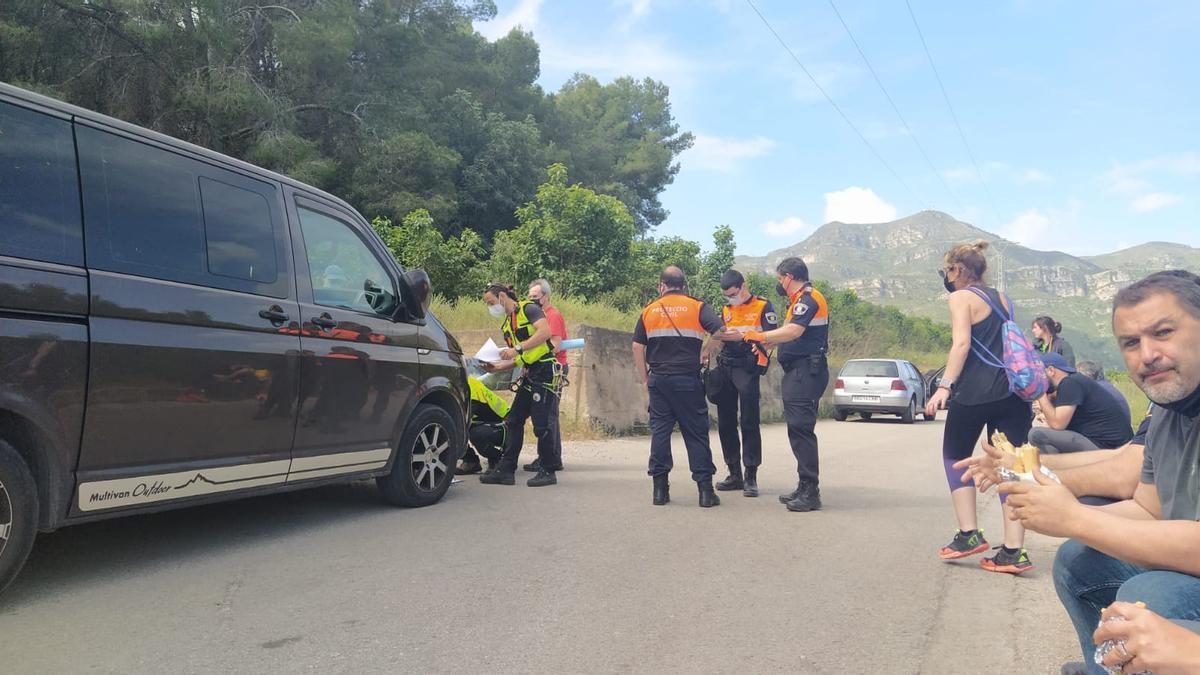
1047, 340
1081, 416
1092, 370
486, 431
1152, 644
1146, 548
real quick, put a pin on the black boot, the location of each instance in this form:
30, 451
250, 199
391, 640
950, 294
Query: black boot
500, 476
535, 466
707, 496
789, 496
542, 479
750, 485
733, 481
809, 498
662, 490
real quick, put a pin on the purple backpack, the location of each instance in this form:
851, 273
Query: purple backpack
1021, 363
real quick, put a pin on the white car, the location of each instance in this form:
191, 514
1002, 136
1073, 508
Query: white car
887, 386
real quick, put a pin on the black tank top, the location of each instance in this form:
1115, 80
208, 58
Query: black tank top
980, 383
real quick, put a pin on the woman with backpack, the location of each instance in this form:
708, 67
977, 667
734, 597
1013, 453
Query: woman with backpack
975, 392
1047, 338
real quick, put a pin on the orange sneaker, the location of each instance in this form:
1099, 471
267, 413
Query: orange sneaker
964, 544
1007, 560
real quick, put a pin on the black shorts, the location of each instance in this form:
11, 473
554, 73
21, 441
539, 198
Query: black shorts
964, 423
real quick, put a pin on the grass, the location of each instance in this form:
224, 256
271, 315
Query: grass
471, 314
1137, 399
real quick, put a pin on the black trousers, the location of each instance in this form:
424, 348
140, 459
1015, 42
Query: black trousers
804, 383
487, 439
535, 399
556, 428
740, 388
679, 399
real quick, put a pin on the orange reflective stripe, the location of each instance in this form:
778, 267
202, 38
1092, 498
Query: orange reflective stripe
822, 316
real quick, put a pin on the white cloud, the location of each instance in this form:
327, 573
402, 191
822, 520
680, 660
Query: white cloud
1028, 229
724, 154
790, 226
1155, 201
1033, 176
608, 60
857, 205
637, 9
525, 15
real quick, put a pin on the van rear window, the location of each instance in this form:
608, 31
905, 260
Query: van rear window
39, 188
870, 369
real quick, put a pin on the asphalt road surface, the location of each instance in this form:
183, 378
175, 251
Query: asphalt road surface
585, 576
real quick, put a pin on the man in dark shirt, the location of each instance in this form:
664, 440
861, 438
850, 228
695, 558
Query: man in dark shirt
1083, 416
668, 339
1093, 371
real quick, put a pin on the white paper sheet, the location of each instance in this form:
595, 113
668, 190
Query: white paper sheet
489, 352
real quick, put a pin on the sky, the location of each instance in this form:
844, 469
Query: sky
1079, 120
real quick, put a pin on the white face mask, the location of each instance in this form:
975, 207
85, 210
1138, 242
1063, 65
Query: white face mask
496, 310
736, 300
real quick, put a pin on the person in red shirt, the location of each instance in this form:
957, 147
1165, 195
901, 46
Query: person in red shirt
539, 292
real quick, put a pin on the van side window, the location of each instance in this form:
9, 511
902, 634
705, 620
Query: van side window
39, 188
345, 273
154, 213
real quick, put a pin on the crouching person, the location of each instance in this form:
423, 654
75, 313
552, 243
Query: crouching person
486, 431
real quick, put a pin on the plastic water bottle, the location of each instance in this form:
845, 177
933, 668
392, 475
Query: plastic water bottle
577, 343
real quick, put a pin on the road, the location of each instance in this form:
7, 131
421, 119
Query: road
585, 576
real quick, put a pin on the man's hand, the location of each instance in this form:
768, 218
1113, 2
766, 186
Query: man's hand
937, 401
1046, 507
729, 335
984, 469
509, 354
1152, 643
752, 336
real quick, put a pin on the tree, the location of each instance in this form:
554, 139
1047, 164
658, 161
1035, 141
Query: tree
715, 263
578, 239
454, 265
621, 139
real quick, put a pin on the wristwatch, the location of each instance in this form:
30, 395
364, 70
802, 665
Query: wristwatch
519, 348
948, 385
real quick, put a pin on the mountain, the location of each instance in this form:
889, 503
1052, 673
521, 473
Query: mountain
896, 264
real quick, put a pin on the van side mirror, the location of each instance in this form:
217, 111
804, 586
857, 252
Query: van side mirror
417, 300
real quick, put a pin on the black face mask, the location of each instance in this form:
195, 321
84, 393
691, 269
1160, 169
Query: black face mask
781, 290
946, 282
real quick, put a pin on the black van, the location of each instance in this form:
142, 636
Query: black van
179, 327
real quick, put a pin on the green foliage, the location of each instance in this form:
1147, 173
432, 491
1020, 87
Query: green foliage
395, 105
716, 262
1138, 403
454, 264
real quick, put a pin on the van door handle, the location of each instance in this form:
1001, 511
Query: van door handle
275, 315
325, 322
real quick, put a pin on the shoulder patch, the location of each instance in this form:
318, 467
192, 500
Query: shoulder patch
801, 309
771, 318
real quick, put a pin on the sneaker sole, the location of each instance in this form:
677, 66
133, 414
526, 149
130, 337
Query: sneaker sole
955, 555
1005, 569
808, 510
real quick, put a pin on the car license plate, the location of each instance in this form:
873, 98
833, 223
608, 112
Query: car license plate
865, 399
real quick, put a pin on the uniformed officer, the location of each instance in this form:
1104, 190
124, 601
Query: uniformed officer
486, 430
669, 338
803, 345
739, 367
527, 334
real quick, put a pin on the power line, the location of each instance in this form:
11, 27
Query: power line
845, 118
953, 115
895, 109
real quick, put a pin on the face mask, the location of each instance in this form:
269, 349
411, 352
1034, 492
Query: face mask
496, 310
947, 285
734, 301
781, 290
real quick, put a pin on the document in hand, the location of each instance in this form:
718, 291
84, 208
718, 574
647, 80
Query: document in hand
489, 352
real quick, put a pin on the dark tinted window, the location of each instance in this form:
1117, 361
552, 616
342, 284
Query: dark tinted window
237, 228
39, 188
870, 369
343, 267
154, 213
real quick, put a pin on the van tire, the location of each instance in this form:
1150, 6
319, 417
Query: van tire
18, 513
424, 465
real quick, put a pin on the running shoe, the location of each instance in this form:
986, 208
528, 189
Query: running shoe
964, 544
1010, 561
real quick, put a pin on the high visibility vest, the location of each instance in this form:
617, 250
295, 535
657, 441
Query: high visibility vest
483, 401
674, 315
747, 317
517, 328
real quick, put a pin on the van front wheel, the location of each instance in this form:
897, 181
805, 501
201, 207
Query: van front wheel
425, 459
18, 513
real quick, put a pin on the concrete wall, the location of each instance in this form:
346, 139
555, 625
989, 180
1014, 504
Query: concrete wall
603, 391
